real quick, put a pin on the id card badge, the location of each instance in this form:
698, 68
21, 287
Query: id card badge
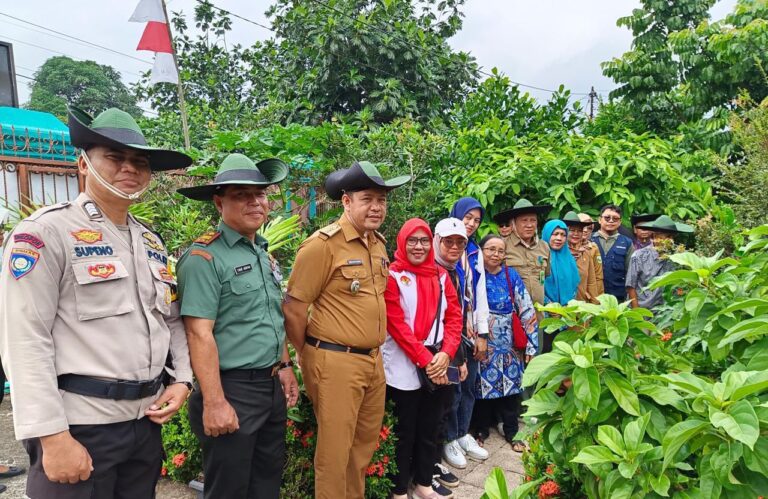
453, 375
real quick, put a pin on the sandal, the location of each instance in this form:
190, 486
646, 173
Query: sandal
481, 436
518, 446
12, 471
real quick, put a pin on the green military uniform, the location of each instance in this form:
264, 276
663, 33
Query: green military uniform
230, 279
226, 278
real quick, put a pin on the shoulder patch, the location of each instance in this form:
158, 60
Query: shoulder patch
207, 238
329, 231
201, 253
30, 239
380, 236
22, 262
47, 209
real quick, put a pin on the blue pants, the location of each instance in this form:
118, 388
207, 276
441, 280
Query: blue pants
463, 403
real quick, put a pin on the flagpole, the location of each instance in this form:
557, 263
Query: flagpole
180, 88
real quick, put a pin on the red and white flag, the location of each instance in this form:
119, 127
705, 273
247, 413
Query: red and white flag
156, 38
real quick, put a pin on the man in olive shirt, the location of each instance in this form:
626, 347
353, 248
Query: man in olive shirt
230, 301
341, 271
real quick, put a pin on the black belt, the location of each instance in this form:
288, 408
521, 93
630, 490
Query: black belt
249, 374
120, 389
338, 348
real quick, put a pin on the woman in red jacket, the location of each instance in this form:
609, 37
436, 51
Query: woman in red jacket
424, 330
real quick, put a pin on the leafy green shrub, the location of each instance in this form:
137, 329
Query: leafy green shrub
184, 458
681, 411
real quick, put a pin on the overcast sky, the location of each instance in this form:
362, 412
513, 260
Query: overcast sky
543, 43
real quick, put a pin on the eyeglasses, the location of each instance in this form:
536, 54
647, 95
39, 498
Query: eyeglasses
491, 251
454, 243
418, 241
611, 219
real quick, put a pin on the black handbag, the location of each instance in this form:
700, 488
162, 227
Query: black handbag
426, 382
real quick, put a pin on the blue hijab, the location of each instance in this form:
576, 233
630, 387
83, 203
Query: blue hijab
561, 284
464, 206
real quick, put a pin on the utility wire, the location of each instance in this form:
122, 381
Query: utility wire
102, 47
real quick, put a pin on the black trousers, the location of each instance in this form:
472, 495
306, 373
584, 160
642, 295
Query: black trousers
418, 414
2, 382
248, 463
126, 458
490, 411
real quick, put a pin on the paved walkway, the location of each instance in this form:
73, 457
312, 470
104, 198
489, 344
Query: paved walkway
471, 487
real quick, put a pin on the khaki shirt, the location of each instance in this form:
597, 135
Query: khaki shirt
597, 260
330, 266
531, 263
587, 290
79, 295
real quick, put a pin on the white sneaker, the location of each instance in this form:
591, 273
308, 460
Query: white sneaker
473, 450
453, 455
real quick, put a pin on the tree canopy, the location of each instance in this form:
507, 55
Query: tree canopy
86, 84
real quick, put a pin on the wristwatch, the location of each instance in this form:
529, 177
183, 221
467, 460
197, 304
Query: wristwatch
189, 385
283, 365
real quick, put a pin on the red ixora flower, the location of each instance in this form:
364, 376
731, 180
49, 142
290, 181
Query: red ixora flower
666, 336
384, 433
306, 437
163, 471
551, 469
549, 489
179, 459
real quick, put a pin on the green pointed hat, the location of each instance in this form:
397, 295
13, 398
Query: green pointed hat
645, 217
521, 207
572, 218
360, 176
117, 129
238, 169
667, 225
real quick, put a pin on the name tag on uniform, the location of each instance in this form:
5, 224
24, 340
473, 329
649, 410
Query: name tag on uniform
242, 269
354, 262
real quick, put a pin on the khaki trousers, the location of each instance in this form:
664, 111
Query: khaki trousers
347, 392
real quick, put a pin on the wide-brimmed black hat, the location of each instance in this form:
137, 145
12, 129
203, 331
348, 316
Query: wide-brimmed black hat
521, 207
360, 176
238, 169
665, 224
117, 129
645, 217
572, 218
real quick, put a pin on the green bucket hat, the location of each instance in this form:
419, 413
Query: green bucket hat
360, 176
645, 217
117, 129
238, 169
521, 207
572, 218
666, 224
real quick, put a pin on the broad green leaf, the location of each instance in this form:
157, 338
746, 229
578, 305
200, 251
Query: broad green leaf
757, 459
664, 396
524, 490
628, 468
635, 431
677, 277
581, 360
496, 485
747, 329
740, 305
689, 382
595, 454
540, 365
678, 435
660, 484
611, 438
623, 392
586, 386
754, 384
544, 402
740, 422
694, 301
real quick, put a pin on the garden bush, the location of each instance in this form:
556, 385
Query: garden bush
675, 410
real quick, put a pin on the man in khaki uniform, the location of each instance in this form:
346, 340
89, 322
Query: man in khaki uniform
594, 251
526, 253
89, 330
341, 272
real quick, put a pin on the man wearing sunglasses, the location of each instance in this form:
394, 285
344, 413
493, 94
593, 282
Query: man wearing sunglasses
615, 249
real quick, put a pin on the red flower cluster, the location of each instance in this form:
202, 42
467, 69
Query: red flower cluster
551, 469
549, 489
666, 336
178, 459
164, 471
384, 433
377, 469
306, 437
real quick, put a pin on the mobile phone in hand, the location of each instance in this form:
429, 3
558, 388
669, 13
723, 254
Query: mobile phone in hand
453, 375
